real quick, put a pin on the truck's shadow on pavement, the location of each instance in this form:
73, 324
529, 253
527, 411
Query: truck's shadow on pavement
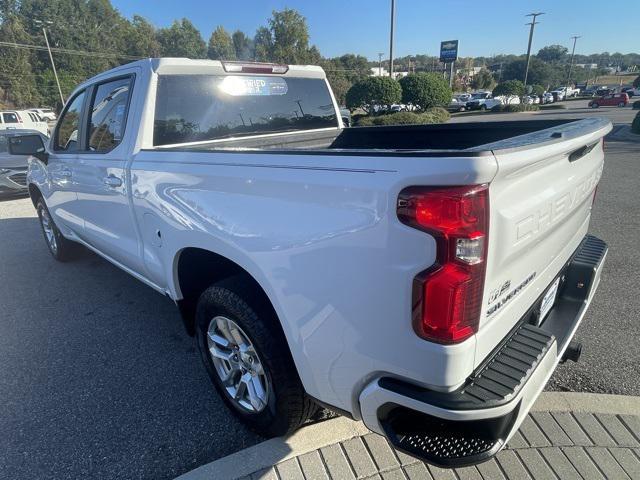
97, 377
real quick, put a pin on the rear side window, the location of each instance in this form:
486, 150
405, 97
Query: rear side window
10, 117
192, 108
67, 131
109, 114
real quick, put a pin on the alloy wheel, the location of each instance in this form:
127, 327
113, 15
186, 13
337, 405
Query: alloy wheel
238, 365
47, 228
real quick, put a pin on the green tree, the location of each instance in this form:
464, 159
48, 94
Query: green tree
539, 72
425, 90
483, 80
636, 82
16, 75
141, 38
553, 53
373, 91
182, 39
242, 45
285, 40
220, 45
510, 87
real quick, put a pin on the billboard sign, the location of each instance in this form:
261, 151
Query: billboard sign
449, 51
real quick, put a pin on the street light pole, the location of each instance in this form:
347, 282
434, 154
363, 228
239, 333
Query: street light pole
533, 24
393, 18
53, 65
380, 54
573, 53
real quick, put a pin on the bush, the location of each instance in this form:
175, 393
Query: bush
510, 87
636, 105
537, 90
425, 90
521, 107
433, 115
636, 82
635, 125
553, 106
373, 91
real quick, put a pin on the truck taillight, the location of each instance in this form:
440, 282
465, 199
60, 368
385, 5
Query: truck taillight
447, 298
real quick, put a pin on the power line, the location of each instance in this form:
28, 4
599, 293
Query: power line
68, 51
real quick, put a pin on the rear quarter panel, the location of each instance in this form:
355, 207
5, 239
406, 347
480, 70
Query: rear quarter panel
320, 235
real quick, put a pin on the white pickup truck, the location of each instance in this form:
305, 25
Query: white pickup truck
425, 279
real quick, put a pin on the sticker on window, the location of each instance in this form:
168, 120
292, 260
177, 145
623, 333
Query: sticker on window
239, 86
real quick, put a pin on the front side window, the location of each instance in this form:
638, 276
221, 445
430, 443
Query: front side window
67, 132
108, 114
10, 117
192, 108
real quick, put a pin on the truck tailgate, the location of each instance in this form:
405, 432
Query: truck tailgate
540, 202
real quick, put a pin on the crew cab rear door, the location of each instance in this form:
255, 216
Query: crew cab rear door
541, 201
100, 173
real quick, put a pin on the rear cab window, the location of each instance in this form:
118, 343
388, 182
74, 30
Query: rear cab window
193, 108
9, 117
108, 113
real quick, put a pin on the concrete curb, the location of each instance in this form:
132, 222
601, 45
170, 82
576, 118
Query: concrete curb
319, 435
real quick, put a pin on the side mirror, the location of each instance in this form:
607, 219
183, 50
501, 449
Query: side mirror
28, 145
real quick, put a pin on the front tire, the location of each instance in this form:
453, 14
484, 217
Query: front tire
621, 104
60, 248
247, 358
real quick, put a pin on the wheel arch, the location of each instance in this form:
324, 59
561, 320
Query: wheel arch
195, 269
34, 193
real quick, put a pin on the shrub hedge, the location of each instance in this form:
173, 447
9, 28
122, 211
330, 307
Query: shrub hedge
636, 105
635, 125
521, 107
432, 115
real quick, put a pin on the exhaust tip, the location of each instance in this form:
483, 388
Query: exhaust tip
573, 352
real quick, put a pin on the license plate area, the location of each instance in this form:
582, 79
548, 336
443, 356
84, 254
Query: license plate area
548, 301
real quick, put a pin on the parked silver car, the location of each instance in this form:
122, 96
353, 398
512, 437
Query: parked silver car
13, 169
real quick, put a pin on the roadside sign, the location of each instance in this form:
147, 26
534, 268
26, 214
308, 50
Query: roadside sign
449, 51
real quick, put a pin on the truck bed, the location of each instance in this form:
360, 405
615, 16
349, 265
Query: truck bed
414, 140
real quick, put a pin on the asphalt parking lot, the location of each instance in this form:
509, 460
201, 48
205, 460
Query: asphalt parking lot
98, 378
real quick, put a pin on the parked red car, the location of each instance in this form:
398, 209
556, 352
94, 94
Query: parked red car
616, 99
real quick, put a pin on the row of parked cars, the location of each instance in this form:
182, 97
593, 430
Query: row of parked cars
34, 119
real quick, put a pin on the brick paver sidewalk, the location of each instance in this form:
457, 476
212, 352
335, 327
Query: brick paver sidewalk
550, 445
566, 436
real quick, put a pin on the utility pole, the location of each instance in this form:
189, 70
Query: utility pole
380, 54
451, 75
393, 20
53, 65
533, 25
573, 53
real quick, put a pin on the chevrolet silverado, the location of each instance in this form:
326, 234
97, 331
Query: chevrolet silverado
425, 279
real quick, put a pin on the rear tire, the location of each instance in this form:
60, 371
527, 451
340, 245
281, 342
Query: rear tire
595, 105
621, 104
483, 107
60, 248
283, 404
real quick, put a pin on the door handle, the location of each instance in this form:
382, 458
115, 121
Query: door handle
112, 181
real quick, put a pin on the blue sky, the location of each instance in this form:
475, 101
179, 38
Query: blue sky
362, 26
